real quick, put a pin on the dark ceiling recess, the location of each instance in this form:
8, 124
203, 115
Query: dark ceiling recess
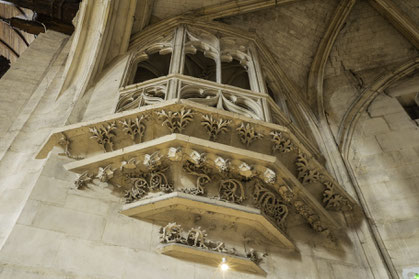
48, 14
4, 65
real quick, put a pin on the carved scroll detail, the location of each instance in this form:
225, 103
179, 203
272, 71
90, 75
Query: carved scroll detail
231, 190
104, 135
247, 134
195, 237
333, 200
201, 172
177, 121
134, 127
281, 143
214, 126
305, 173
270, 205
154, 180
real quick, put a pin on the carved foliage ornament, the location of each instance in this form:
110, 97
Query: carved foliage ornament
313, 219
134, 127
306, 174
104, 134
247, 134
214, 126
281, 143
333, 200
177, 121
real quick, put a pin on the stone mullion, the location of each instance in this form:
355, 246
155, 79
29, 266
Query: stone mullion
177, 61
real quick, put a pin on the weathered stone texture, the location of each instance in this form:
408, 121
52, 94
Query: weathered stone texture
292, 32
385, 157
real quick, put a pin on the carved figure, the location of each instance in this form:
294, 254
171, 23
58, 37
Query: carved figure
214, 126
104, 135
247, 134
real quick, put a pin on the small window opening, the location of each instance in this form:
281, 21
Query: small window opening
233, 73
410, 103
199, 66
155, 66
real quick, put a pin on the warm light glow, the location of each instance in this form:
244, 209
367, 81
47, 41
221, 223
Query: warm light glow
224, 266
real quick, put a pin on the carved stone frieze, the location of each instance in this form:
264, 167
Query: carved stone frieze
270, 205
103, 135
197, 237
333, 200
135, 128
214, 126
247, 134
176, 121
281, 143
143, 183
306, 174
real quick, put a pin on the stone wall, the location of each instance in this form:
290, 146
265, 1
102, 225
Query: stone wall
385, 159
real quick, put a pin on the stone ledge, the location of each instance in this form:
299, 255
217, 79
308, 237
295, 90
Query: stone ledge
211, 258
